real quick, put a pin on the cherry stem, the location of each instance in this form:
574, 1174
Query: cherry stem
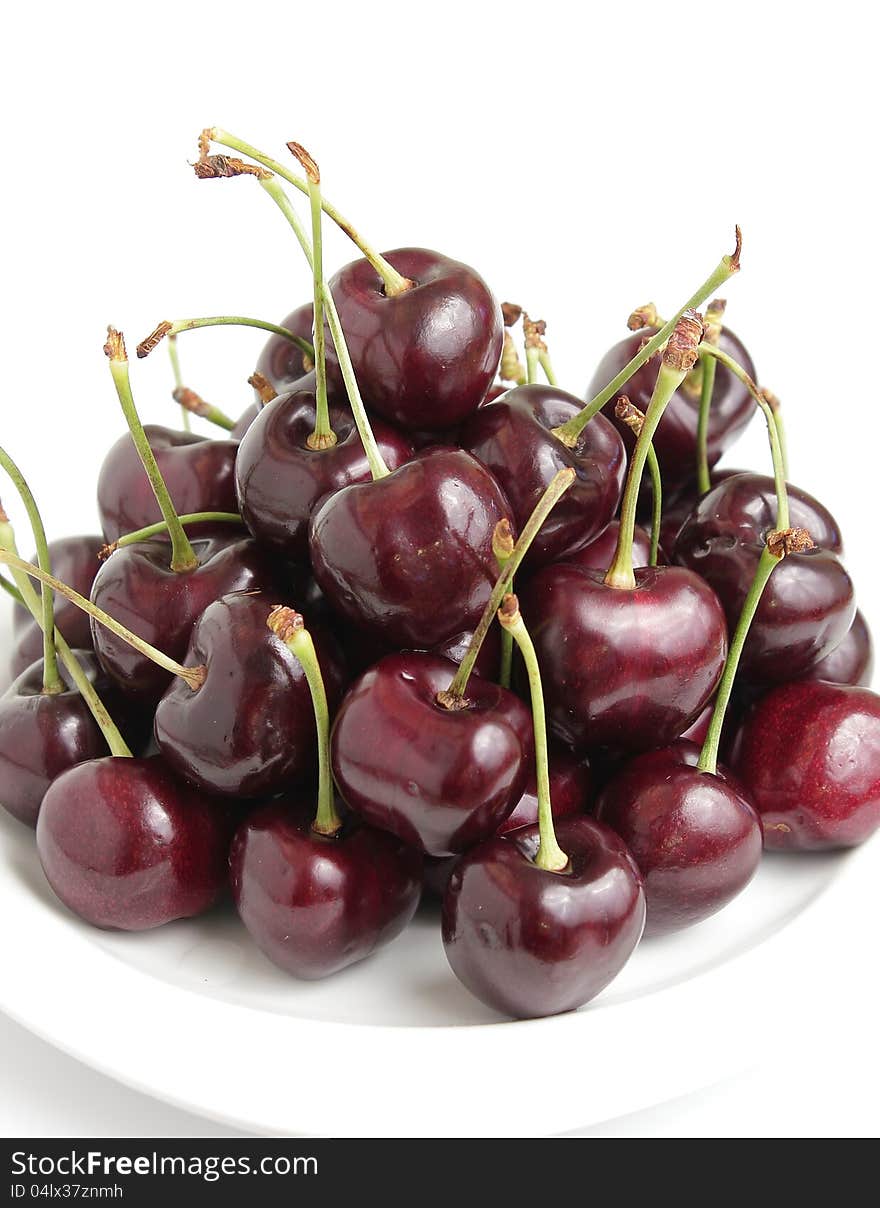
194, 676
105, 723
173, 328
536, 350
323, 436
265, 391
12, 591
711, 335
174, 358
571, 430
289, 627
183, 557
154, 530
770, 415
453, 697
511, 367
679, 357
502, 547
193, 403
52, 681
392, 280
549, 855
634, 419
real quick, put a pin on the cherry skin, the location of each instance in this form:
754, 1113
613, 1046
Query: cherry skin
530, 942
513, 439
126, 845
624, 669
283, 364
249, 730
137, 587
808, 604
315, 903
440, 779
424, 358
675, 441
570, 785
599, 554
198, 472
808, 754
42, 736
279, 479
386, 552
695, 836
852, 662
75, 561
678, 507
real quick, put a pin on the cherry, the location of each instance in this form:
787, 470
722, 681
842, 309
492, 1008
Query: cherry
385, 552
514, 438
248, 730
808, 606
126, 845
695, 835
279, 478
199, 474
425, 355
42, 735
809, 756
852, 662
598, 553
76, 561
318, 890
283, 363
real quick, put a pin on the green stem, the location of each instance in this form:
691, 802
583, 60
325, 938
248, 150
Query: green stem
183, 557
547, 366
453, 697
657, 503
174, 358
549, 855
783, 442
533, 360
289, 626
776, 450
707, 387
569, 432
393, 281
52, 681
191, 402
194, 676
620, 573
12, 591
502, 547
168, 328
189, 518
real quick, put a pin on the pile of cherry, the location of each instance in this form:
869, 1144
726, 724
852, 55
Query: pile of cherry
422, 620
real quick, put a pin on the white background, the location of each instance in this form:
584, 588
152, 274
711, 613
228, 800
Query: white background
584, 159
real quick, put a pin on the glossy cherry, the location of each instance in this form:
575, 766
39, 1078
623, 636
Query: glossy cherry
808, 605
600, 551
316, 903
513, 437
439, 778
625, 669
408, 557
809, 756
676, 439
852, 662
199, 474
249, 730
76, 561
137, 586
529, 942
282, 362
426, 357
695, 835
126, 845
279, 479
42, 735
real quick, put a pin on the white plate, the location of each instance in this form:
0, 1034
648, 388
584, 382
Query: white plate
194, 1015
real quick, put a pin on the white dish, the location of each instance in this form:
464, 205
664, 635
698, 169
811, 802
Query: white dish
194, 1015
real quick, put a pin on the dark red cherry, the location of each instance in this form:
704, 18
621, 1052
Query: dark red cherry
137, 587
440, 779
488, 660
74, 560
852, 662
313, 903
530, 942
424, 358
599, 554
570, 786
809, 756
43, 735
409, 556
675, 441
249, 730
678, 506
807, 606
126, 845
279, 479
198, 472
695, 835
282, 363
624, 669
513, 438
